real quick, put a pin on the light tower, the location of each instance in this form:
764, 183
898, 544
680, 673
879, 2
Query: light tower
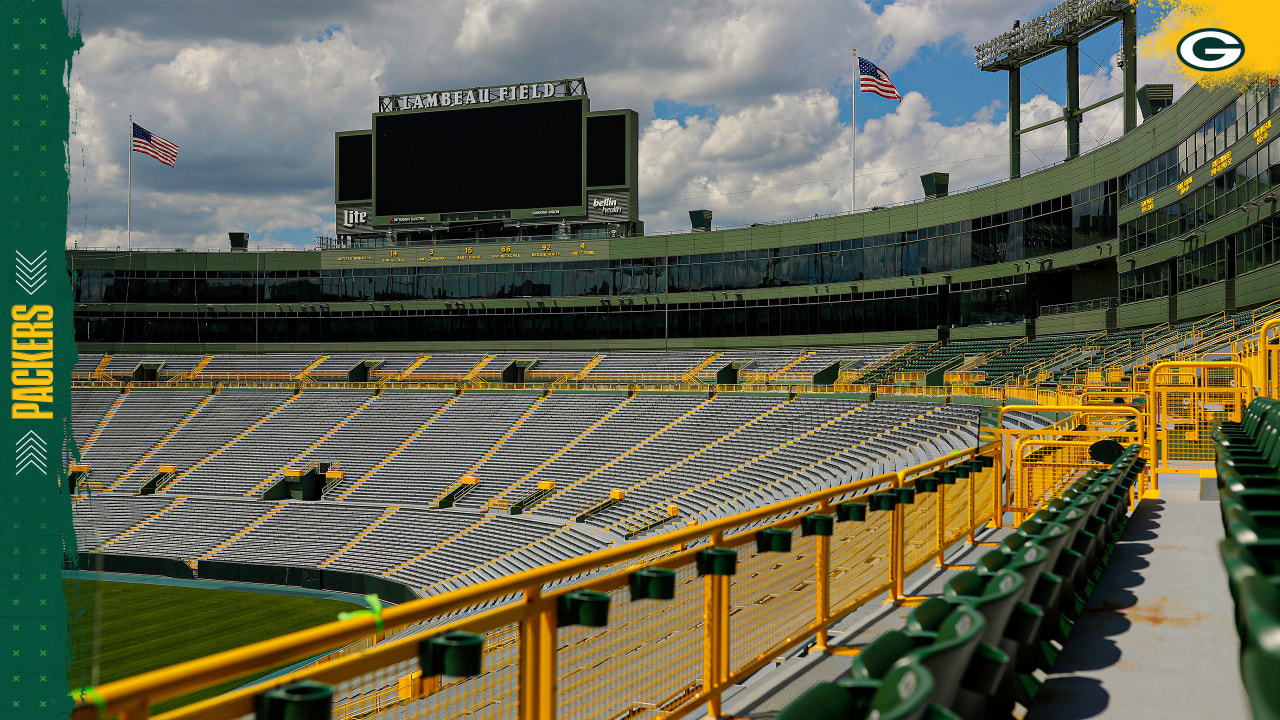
1062, 28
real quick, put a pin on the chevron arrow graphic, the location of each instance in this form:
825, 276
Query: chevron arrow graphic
31, 273
31, 451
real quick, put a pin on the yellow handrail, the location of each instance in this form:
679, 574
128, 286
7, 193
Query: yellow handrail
131, 698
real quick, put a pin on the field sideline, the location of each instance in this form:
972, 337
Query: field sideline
145, 627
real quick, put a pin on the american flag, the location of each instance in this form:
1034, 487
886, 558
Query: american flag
875, 80
148, 143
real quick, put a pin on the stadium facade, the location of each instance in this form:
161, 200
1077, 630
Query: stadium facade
1170, 222
271, 459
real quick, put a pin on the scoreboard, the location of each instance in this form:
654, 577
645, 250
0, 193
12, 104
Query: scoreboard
502, 157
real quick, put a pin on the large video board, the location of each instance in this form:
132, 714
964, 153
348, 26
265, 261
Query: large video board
353, 154
518, 160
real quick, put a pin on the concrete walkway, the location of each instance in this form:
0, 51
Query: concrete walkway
1157, 639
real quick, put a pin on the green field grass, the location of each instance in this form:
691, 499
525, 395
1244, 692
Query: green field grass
144, 627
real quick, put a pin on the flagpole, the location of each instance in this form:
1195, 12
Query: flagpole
129, 212
853, 122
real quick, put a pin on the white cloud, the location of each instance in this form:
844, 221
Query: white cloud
255, 107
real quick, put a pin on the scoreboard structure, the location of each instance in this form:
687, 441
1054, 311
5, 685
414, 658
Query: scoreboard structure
529, 161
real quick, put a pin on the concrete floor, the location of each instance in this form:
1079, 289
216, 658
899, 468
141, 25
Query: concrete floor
1157, 638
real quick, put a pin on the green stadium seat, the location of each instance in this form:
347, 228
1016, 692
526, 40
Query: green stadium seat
927, 618
1241, 563
1013, 626
1260, 654
906, 694
1041, 591
873, 663
1263, 501
1245, 528
1066, 564
957, 657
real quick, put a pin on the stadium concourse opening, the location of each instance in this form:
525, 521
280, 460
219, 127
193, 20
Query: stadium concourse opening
606, 474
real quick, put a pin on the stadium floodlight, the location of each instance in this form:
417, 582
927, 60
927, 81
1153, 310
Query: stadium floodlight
1070, 21
1062, 28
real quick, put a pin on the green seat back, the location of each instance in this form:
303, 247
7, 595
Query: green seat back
995, 597
947, 658
992, 561
1240, 564
904, 694
928, 616
880, 655
1242, 526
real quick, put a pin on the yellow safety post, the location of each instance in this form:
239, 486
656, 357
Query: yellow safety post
897, 593
1269, 354
530, 625
822, 562
546, 655
941, 527
714, 656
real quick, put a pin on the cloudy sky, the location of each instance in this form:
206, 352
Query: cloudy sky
745, 105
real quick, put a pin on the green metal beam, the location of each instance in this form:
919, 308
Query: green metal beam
1015, 111
1081, 111
1129, 43
1072, 110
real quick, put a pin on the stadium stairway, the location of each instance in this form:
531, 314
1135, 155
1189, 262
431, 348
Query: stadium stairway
106, 419
98, 372
474, 372
277, 508
705, 449
302, 457
386, 514
691, 377
346, 492
586, 369
141, 525
443, 546
645, 517
87, 407
171, 487
787, 368
506, 435
500, 502
167, 437
305, 374
622, 456
199, 368
496, 562
413, 366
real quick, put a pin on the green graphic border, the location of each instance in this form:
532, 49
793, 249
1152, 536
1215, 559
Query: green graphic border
35, 524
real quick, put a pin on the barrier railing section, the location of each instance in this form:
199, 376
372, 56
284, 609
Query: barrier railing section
1186, 400
666, 657
1043, 461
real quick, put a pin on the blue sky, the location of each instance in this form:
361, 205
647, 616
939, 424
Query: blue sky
946, 75
253, 92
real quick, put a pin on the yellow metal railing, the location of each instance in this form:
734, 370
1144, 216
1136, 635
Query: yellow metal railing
655, 657
1042, 461
670, 658
1186, 400
964, 377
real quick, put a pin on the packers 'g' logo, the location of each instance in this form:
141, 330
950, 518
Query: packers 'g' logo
1210, 49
